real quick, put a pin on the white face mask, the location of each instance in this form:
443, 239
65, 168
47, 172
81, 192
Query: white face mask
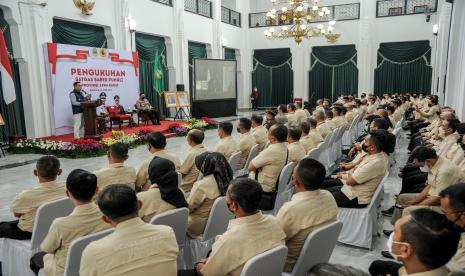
425, 168
390, 242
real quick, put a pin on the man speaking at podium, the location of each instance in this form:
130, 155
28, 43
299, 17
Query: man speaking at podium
76, 97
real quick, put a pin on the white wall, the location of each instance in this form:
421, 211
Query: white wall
31, 23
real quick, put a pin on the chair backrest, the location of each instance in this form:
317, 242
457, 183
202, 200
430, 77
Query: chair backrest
317, 248
252, 154
234, 161
45, 215
285, 176
179, 179
325, 143
218, 219
176, 219
269, 263
73, 260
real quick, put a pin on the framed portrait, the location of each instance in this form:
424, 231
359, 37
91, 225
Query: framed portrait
419, 9
170, 99
183, 99
395, 11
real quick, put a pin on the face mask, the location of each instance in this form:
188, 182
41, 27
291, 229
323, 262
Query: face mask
390, 242
366, 129
424, 168
365, 148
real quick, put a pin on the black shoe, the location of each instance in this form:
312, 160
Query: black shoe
387, 232
389, 212
386, 254
400, 175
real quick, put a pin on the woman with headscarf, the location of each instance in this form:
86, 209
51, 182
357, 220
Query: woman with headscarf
164, 193
217, 174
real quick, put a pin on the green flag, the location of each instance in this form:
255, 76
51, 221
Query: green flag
158, 75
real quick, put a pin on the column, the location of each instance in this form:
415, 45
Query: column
366, 61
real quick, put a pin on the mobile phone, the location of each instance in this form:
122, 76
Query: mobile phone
399, 206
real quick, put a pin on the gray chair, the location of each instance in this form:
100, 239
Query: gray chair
73, 260
317, 248
252, 154
16, 253
284, 178
269, 263
179, 179
234, 161
217, 223
176, 219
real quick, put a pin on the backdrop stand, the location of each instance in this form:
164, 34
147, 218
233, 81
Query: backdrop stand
179, 114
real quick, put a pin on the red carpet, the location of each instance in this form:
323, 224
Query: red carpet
165, 125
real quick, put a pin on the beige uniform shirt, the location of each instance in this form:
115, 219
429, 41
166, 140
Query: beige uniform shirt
143, 104
307, 143
457, 263
296, 152
244, 238
323, 128
441, 271
28, 201
368, 175
84, 220
142, 179
331, 124
300, 116
189, 171
200, 200
371, 109
269, 163
291, 119
446, 145
226, 146
298, 221
152, 204
350, 116
433, 112
443, 174
260, 135
281, 119
316, 137
135, 248
246, 142
115, 174
339, 121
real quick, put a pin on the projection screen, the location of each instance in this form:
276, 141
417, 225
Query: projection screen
214, 79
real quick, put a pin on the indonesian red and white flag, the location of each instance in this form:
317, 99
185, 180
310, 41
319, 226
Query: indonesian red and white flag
8, 86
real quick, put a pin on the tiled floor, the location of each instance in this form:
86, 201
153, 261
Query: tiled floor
14, 180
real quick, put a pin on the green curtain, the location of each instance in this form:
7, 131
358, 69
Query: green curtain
13, 114
229, 53
68, 32
196, 50
152, 51
333, 72
273, 76
403, 67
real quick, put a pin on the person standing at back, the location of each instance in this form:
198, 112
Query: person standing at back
135, 248
226, 146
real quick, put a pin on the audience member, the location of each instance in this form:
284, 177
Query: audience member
25, 205
306, 140
246, 141
322, 127
300, 115
269, 118
324, 269
189, 171
134, 248
295, 149
164, 193
281, 117
259, 132
294, 216
226, 146
291, 118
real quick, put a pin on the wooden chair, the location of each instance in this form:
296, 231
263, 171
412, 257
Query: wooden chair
141, 116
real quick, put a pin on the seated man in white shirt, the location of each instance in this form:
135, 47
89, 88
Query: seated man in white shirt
226, 146
135, 248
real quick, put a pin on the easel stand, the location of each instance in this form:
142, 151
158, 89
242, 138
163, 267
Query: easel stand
179, 114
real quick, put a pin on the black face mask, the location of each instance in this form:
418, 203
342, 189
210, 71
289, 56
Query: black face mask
463, 146
365, 148
238, 130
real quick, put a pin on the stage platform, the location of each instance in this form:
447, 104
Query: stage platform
163, 128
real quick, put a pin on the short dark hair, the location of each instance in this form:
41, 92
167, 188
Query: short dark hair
390, 108
82, 184
310, 173
227, 127
76, 83
433, 237
371, 117
298, 104
279, 132
453, 123
291, 106
422, 153
295, 133
456, 195
48, 166
283, 108
381, 123
305, 127
312, 122
338, 109
383, 140
196, 136
329, 114
434, 99
116, 97
327, 269
157, 140
119, 150
257, 119
247, 193
118, 201
245, 123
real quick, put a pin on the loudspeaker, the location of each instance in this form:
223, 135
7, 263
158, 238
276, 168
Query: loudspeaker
179, 87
